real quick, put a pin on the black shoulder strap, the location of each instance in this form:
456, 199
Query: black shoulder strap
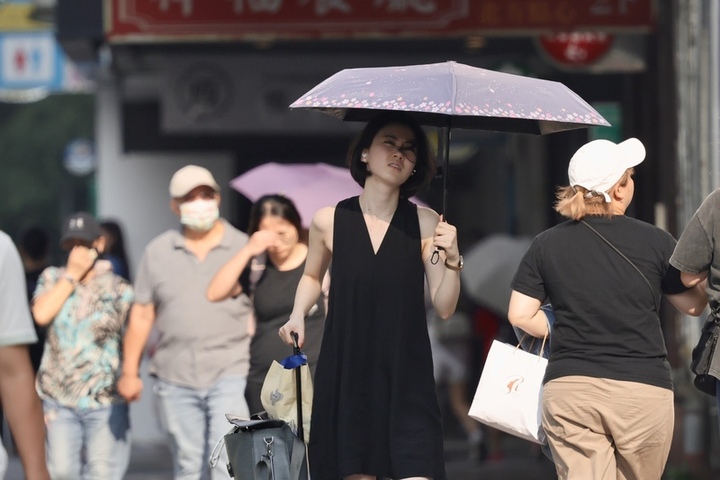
657, 310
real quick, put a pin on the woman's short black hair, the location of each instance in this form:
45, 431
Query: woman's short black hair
276, 206
424, 169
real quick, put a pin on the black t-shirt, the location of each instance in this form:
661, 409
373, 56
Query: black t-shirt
606, 324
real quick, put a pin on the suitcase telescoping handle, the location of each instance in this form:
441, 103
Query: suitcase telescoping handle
298, 377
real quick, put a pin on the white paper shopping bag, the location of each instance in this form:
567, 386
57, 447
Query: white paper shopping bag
509, 393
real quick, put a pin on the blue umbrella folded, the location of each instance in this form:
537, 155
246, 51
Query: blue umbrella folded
294, 361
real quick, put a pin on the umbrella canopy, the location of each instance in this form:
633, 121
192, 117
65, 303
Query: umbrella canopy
311, 186
490, 266
452, 94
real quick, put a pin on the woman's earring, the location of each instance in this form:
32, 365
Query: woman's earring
413, 172
363, 157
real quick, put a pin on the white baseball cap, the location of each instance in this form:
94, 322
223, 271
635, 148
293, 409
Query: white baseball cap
598, 165
189, 177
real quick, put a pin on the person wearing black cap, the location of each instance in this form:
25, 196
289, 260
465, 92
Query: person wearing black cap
84, 306
607, 399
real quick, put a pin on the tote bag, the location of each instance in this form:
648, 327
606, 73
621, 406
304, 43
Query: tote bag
509, 393
279, 392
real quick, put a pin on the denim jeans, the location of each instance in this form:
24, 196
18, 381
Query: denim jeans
194, 420
88, 444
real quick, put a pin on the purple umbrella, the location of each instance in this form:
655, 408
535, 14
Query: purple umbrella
311, 186
451, 94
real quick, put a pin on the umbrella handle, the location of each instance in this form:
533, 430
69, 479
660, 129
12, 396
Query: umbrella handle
298, 386
294, 336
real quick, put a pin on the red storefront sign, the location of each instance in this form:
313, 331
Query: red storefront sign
153, 20
576, 48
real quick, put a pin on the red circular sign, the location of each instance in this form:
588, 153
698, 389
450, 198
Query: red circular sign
576, 48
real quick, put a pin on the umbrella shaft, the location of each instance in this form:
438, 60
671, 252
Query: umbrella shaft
445, 148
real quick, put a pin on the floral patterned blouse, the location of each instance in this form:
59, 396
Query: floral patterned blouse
81, 363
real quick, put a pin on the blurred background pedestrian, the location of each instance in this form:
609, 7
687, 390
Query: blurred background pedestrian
84, 306
34, 248
115, 248
20, 402
277, 249
449, 342
201, 360
697, 256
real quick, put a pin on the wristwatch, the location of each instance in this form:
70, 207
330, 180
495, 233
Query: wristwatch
71, 280
458, 267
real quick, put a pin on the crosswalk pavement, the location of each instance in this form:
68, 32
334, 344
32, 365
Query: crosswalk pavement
151, 461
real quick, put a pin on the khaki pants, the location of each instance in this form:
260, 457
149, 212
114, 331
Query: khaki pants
600, 429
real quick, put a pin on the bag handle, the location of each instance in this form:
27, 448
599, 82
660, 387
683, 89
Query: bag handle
657, 309
215, 453
265, 467
542, 347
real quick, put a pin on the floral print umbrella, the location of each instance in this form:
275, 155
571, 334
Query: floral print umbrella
452, 94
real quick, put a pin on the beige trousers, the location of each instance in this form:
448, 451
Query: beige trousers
600, 429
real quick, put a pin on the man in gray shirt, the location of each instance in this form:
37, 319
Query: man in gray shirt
201, 360
697, 256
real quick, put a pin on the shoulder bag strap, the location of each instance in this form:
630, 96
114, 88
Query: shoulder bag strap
657, 310
265, 467
257, 268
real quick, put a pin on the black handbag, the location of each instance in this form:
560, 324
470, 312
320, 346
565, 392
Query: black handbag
702, 356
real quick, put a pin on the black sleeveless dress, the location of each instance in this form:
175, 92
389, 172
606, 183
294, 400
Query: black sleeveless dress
273, 301
375, 411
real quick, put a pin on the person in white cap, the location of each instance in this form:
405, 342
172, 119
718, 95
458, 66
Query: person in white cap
607, 402
201, 360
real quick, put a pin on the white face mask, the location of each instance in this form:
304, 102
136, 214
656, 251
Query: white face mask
199, 215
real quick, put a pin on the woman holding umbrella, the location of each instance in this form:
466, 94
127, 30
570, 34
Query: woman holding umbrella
375, 411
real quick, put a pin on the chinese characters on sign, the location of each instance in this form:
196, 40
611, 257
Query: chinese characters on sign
319, 7
145, 20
